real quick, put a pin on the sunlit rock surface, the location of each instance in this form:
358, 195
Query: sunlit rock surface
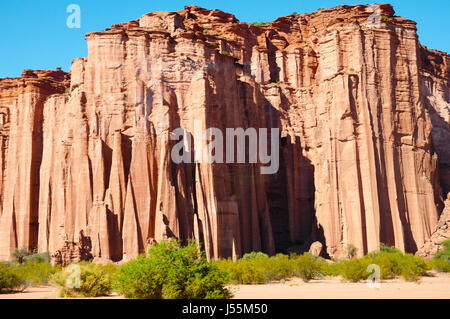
363, 113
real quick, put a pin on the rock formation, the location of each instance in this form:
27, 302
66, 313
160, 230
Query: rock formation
362, 107
440, 234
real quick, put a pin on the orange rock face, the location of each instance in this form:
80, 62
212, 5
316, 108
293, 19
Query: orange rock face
363, 112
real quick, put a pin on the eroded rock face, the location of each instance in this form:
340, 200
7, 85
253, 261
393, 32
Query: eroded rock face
363, 112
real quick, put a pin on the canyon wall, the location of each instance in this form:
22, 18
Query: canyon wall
362, 108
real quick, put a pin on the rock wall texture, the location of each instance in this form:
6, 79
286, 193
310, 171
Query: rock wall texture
363, 111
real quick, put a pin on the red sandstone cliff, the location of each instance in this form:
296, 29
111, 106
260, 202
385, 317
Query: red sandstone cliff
363, 113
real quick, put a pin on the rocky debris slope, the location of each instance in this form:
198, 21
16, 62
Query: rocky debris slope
362, 108
440, 234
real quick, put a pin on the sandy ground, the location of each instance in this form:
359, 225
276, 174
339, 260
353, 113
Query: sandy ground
436, 287
44, 292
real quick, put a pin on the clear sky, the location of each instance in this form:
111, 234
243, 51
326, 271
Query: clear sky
34, 34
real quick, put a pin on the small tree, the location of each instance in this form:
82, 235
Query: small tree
351, 251
20, 255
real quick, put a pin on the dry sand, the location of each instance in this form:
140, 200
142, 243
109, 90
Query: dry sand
45, 292
436, 287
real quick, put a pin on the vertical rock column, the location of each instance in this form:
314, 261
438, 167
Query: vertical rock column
19, 219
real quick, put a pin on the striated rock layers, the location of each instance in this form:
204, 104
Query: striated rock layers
363, 112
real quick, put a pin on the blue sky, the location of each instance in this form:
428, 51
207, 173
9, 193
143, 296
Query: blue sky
34, 34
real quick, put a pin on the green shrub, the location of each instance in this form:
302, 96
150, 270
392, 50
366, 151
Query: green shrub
19, 255
351, 251
38, 258
36, 274
441, 261
444, 254
440, 265
259, 24
224, 52
353, 270
94, 280
393, 263
254, 255
333, 269
9, 280
243, 271
169, 271
32, 269
309, 267
389, 259
389, 249
258, 268
279, 267
412, 268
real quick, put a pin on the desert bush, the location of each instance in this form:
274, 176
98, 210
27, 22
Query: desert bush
392, 262
441, 261
389, 259
258, 268
242, 271
32, 269
333, 269
444, 254
170, 271
94, 280
353, 270
9, 280
279, 267
38, 258
412, 268
309, 267
36, 274
351, 251
259, 24
389, 249
19, 255
440, 265
254, 255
